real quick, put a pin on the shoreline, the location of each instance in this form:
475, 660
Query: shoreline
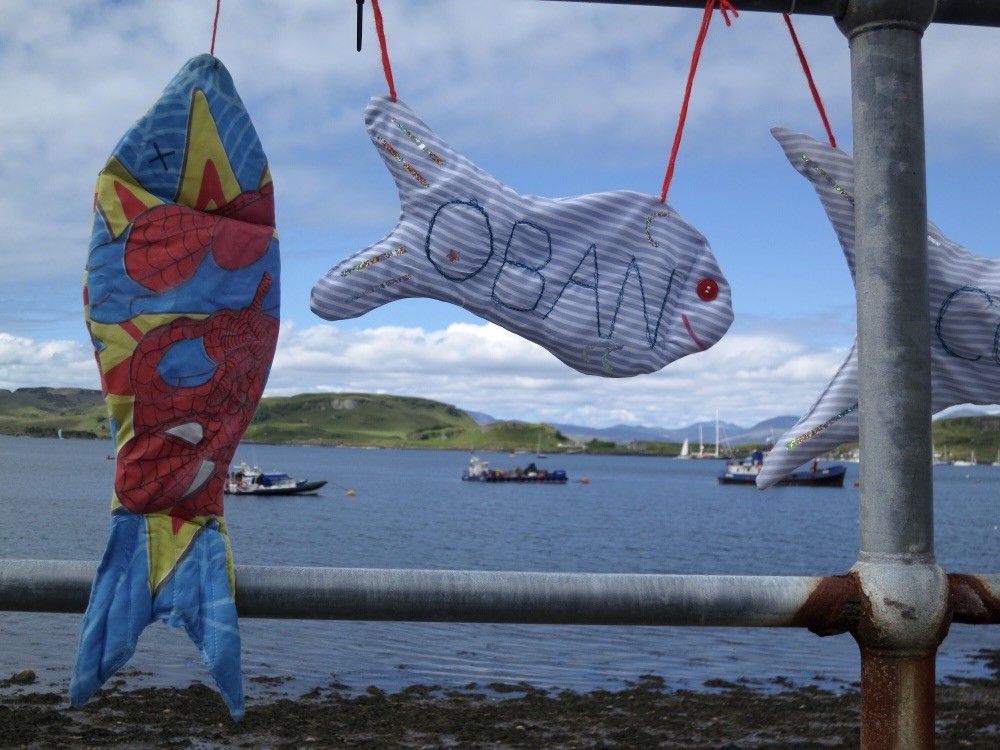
496, 716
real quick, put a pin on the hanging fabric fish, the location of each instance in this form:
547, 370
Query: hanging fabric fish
181, 297
613, 284
964, 291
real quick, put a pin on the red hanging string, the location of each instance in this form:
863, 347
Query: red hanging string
809, 78
385, 52
215, 26
724, 6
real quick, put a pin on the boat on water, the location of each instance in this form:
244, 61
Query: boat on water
685, 450
480, 471
972, 461
745, 471
250, 480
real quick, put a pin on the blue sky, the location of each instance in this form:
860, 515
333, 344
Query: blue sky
554, 99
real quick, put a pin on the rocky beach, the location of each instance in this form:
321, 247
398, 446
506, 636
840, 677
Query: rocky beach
482, 717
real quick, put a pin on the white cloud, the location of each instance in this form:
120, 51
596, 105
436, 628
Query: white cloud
24, 362
485, 368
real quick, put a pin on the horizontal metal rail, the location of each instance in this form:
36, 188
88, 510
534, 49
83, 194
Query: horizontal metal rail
966, 12
501, 596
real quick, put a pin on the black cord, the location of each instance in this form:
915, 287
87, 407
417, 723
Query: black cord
361, 14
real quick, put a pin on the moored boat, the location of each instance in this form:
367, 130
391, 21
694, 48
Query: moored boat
247, 480
480, 471
745, 471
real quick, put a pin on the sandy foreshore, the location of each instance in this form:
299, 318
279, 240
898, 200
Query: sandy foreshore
484, 717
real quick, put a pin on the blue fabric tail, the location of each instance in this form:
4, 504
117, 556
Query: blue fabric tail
196, 597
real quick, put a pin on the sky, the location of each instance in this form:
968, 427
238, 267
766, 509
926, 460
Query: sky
554, 99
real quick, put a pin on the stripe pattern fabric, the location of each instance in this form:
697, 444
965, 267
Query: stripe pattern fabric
964, 317
613, 284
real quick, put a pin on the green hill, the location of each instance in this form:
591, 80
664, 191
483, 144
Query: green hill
363, 419
42, 412
357, 419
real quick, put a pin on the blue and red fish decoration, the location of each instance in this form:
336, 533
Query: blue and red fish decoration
613, 284
181, 298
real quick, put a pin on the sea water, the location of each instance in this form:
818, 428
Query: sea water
409, 509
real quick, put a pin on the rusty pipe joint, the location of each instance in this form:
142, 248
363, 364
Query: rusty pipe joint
905, 607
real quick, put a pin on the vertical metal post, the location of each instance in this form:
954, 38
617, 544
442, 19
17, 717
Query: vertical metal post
905, 590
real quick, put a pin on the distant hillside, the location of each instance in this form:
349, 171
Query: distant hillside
401, 422
362, 419
42, 412
730, 433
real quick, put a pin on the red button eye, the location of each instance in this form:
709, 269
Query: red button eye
708, 290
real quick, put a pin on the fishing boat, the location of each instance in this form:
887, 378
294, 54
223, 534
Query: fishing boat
247, 480
745, 471
480, 471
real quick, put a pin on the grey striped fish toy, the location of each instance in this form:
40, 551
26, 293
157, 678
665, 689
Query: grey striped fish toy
964, 319
613, 284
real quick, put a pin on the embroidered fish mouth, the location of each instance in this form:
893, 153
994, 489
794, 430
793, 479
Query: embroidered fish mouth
692, 334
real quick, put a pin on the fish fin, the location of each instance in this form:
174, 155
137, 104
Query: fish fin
196, 594
831, 421
120, 607
831, 173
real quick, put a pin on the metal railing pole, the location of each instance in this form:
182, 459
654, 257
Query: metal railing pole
905, 590
460, 595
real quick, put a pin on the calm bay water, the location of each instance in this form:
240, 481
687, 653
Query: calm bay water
410, 510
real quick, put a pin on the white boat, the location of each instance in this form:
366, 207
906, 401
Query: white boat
247, 480
961, 462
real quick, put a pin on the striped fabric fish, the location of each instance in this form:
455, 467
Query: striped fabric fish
613, 284
181, 298
964, 316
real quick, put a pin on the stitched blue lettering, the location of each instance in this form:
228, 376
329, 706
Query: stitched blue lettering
518, 284
512, 286
944, 310
591, 251
482, 216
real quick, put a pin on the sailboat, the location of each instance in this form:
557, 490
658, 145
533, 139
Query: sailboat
538, 450
701, 441
716, 434
685, 450
970, 462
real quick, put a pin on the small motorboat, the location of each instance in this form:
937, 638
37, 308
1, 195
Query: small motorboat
745, 472
480, 471
247, 480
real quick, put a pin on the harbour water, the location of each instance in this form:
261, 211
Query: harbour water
410, 510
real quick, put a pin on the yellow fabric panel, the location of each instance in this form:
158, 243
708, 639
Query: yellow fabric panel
171, 538
108, 203
203, 146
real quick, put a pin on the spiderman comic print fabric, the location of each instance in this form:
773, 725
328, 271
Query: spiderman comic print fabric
181, 298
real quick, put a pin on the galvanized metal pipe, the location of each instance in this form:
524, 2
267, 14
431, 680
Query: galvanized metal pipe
905, 591
966, 12
825, 605
890, 212
455, 595
828, 8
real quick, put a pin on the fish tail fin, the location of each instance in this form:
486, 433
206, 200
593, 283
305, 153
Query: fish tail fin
157, 567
